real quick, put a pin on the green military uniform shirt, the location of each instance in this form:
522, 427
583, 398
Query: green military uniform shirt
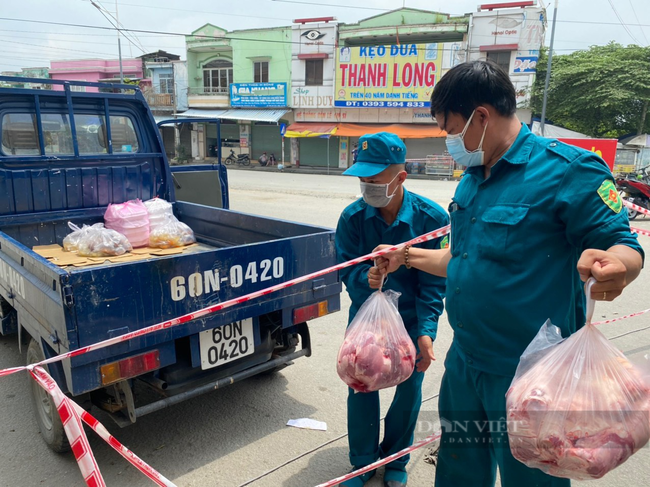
516, 239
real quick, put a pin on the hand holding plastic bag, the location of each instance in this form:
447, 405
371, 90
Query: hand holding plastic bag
577, 408
377, 352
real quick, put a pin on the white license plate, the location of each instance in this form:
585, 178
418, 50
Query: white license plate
226, 343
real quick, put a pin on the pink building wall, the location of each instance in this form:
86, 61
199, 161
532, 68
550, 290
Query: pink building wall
94, 70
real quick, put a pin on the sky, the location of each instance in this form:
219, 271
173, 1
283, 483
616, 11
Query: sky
581, 23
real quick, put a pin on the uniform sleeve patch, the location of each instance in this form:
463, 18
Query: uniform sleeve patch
444, 243
610, 196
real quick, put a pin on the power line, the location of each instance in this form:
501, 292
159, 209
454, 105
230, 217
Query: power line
56, 48
101, 11
637, 19
204, 12
623, 23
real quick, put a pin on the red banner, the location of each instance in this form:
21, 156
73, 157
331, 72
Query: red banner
605, 148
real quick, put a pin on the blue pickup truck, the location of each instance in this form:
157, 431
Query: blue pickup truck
66, 154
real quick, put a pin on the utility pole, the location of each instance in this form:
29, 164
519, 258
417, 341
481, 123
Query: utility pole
548, 70
119, 42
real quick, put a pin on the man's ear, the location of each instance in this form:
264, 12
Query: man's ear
482, 115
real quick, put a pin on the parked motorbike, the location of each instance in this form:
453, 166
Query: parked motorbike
635, 190
241, 159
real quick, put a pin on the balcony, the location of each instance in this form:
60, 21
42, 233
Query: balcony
160, 100
202, 97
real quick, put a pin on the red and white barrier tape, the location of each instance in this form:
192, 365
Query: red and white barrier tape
383, 461
232, 302
73, 428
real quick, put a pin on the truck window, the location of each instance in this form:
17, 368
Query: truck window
123, 134
90, 132
57, 134
19, 135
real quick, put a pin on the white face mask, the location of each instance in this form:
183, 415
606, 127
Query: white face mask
457, 150
377, 194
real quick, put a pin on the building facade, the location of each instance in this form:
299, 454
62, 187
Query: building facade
243, 78
385, 68
95, 70
511, 36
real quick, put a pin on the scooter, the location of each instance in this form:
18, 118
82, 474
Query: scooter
241, 159
635, 191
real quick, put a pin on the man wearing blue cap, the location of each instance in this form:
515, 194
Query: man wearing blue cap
388, 213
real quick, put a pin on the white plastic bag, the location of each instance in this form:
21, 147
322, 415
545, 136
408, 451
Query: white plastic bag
377, 352
98, 241
71, 241
172, 233
159, 210
577, 408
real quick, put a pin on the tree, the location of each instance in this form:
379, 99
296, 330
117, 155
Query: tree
602, 92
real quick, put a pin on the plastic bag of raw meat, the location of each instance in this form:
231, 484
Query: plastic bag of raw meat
577, 408
103, 242
377, 352
131, 219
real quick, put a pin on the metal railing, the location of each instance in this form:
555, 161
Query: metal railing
160, 99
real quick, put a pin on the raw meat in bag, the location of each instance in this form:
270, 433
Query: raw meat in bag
131, 219
577, 408
377, 352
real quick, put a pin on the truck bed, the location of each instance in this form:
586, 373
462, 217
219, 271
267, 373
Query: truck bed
237, 254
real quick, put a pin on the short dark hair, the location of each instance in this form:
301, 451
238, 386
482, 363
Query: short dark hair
472, 84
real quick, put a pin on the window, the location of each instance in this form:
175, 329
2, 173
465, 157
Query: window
91, 132
19, 136
166, 83
217, 76
501, 58
77, 88
123, 135
261, 72
314, 72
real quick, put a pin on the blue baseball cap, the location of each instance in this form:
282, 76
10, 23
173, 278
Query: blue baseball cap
376, 153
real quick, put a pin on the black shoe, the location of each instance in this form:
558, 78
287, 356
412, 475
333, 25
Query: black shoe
394, 483
360, 480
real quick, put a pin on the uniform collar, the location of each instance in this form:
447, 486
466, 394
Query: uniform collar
405, 212
519, 152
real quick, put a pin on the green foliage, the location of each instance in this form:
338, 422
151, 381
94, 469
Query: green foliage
602, 92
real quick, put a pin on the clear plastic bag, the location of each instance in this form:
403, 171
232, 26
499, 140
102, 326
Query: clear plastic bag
131, 219
159, 210
577, 408
377, 352
172, 233
98, 241
71, 241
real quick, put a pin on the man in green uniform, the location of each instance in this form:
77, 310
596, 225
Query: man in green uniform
389, 213
532, 219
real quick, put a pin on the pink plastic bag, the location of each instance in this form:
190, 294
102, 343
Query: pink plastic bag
131, 219
377, 352
577, 408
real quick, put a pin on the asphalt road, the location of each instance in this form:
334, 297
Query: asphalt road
231, 436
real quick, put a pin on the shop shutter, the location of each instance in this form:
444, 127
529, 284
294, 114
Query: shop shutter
313, 152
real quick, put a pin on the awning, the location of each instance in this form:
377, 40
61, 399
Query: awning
305, 129
255, 115
402, 130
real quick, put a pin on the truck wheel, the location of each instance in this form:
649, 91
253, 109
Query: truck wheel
47, 417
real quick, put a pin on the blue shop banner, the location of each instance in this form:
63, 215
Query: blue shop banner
258, 95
